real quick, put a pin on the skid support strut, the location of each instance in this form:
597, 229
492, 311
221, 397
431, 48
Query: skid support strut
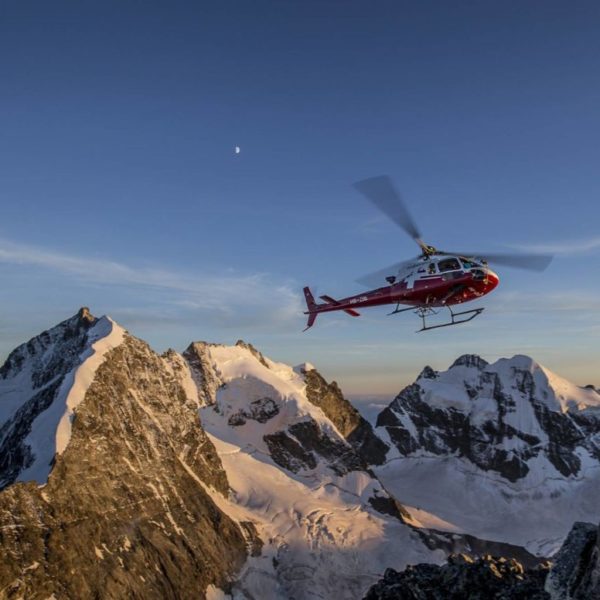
399, 310
456, 318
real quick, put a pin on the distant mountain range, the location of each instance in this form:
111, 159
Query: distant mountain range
507, 451
219, 471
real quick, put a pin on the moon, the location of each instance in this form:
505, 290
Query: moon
237, 149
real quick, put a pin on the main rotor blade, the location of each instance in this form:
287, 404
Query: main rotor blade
530, 262
376, 279
381, 192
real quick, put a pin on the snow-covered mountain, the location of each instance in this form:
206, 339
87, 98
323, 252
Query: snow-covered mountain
129, 474
507, 451
326, 522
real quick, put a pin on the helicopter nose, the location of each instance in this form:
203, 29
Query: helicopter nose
492, 279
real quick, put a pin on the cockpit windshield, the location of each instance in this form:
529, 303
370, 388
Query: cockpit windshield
469, 264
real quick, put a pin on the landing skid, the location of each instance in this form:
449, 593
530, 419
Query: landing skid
456, 318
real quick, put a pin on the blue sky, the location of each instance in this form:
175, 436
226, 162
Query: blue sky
120, 188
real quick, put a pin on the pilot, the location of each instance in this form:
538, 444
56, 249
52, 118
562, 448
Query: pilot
431, 268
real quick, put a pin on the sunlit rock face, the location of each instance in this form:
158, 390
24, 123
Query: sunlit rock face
125, 510
357, 431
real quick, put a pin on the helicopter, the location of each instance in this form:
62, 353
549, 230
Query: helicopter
428, 283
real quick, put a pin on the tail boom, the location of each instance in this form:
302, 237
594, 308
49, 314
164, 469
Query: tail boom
348, 311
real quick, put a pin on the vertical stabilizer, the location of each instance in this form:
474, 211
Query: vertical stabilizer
312, 308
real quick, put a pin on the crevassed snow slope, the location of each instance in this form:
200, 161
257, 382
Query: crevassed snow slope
320, 540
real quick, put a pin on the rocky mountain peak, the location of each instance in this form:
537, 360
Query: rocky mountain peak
500, 417
527, 436
470, 360
246, 388
203, 359
84, 314
427, 373
62, 337
203, 372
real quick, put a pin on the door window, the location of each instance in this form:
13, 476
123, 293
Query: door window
448, 264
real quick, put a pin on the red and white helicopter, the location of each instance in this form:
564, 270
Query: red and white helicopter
428, 282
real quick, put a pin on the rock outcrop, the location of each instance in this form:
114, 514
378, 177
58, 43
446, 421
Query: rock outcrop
572, 574
355, 429
463, 578
576, 571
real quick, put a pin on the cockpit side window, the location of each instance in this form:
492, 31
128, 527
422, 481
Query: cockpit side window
448, 264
